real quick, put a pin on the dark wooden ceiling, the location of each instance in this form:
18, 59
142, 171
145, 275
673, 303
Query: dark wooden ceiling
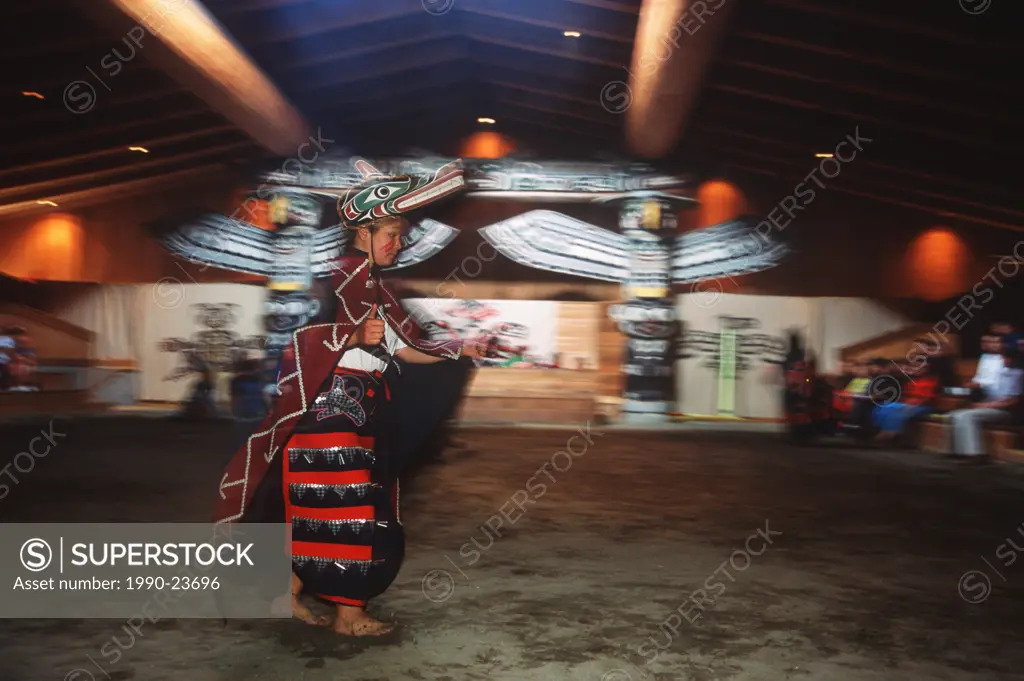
101, 97
935, 87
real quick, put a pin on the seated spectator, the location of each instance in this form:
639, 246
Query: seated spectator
916, 398
1008, 336
852, 405
7, 349
990, 365
23, 364
999, 405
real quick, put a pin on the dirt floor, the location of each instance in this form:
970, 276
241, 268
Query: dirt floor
682, 554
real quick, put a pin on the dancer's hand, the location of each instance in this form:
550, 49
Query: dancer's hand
371, 331
471, 349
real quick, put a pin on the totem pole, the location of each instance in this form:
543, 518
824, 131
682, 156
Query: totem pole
648, 315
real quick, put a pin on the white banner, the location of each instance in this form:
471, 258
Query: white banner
520, 333
185, 325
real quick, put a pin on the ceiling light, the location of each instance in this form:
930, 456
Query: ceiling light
489, 121
33, 94
47, 203
823, 155
144, 150
571, 34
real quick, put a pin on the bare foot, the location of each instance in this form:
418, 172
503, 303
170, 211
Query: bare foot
281, 606
360, 624
301, 612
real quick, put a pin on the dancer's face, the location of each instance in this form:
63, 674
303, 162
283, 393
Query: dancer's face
385, 241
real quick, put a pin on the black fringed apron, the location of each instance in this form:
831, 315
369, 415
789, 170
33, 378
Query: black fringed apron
340, 495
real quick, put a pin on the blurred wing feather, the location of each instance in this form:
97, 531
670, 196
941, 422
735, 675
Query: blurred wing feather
728, 249
548, 240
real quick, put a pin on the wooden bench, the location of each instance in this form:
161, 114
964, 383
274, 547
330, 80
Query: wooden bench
1000, 439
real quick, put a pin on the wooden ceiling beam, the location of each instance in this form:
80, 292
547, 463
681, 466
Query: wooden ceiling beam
192, 48
854, 117
86, 197
362, 51
561, 54
335, 16
583, 22
703, 129
554, 126
41, 190
48, 50
929, 208
60, 113
604, 122
871, 92
145, 126
873, 19
437, 59
121, 150
675, 40
888, 64
544, 93
803, 166
329, 107
623, 7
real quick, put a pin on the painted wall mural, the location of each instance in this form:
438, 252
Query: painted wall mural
216, 345
516, 333
751, 348
212, 327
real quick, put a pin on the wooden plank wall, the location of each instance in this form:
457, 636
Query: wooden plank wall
585, 335
578, 335
611, 354
903, 343
55, 340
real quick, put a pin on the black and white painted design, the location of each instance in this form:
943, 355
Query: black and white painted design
216, 347
343, 399
751, 348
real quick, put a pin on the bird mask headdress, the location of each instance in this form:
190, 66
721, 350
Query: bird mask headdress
382, 196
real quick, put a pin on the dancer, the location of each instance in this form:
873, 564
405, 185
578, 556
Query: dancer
330, 472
